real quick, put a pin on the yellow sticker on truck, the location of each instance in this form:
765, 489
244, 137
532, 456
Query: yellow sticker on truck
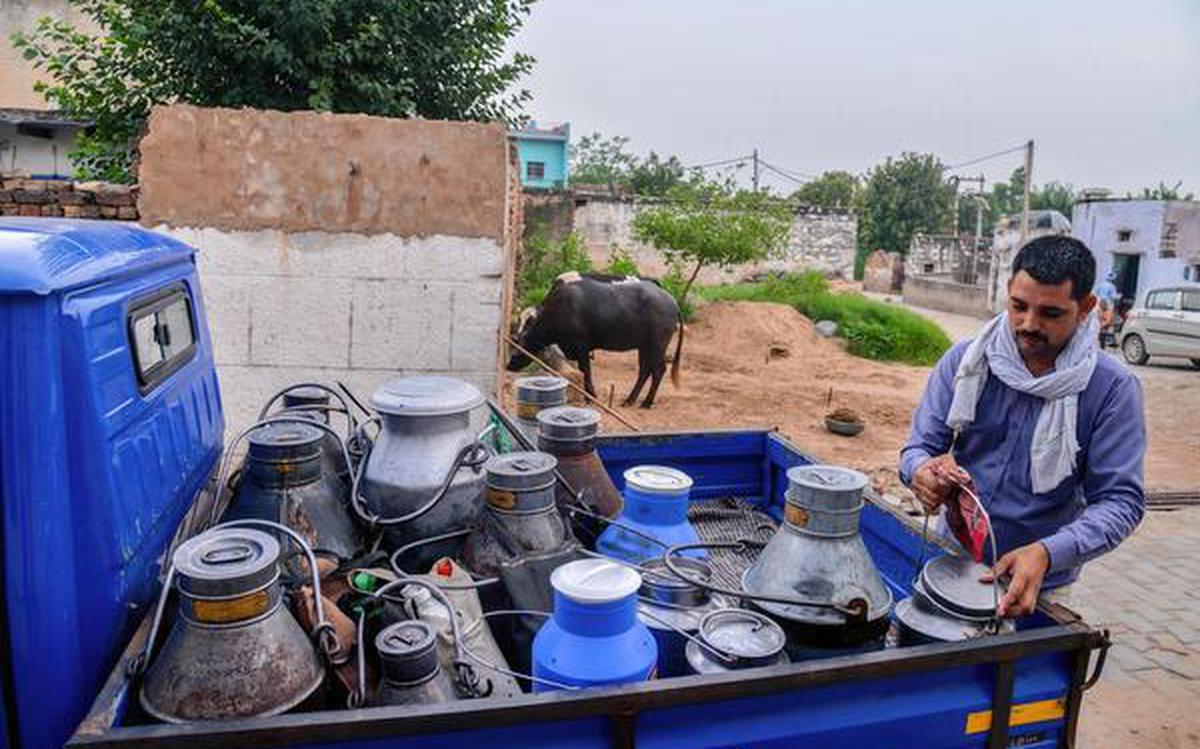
1022, 714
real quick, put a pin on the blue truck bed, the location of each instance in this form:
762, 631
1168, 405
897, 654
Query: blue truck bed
1020, 689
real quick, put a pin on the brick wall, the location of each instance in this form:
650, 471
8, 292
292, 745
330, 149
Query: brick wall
20, 196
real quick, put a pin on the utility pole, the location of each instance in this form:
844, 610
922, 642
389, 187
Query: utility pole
755, 177
954, 179
1028, 187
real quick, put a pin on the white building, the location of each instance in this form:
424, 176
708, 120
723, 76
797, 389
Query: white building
36, 142
1148, 243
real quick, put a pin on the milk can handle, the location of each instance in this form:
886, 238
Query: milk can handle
351, 422
851, 612
469, 456
730, 659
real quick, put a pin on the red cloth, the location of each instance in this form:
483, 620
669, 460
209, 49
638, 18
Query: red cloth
966, 517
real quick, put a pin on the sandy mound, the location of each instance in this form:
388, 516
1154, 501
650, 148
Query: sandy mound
749, 364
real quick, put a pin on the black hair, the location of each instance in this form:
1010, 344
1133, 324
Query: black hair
1054, 259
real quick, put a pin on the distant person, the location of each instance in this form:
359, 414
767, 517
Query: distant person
1106, 290
1051, 431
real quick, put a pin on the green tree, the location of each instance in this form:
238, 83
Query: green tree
834, 189
903, 196
1164, 191
711, 224
654, 176
439, 60
596, 160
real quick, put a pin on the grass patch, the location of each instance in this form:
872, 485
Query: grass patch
873, 330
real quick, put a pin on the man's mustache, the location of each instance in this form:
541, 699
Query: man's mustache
1033, 337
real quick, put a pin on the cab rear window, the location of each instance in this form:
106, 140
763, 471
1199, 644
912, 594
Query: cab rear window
162, 335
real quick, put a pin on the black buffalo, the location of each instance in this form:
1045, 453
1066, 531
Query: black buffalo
590, 311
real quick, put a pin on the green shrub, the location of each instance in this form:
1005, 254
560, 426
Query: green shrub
872, 329
621, 263
545, 260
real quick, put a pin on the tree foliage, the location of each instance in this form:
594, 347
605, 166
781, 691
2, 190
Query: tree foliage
834, 189
903, 196
1163, 191
597, 160
439, 60
704, 223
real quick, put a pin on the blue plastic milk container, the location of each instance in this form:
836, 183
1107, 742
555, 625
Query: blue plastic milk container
656, 505
594, 637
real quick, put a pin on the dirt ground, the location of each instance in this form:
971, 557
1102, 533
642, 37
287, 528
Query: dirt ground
751, 364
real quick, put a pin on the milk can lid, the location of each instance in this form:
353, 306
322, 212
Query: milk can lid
404, 639
426, 395
595, 581
545, 383
568, 422
827, 478
953, 581
226, 561
284, 434
742, 634
520, 464
932, 624
658, 480
305, 396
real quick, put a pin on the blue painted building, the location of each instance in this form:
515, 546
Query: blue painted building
544, 150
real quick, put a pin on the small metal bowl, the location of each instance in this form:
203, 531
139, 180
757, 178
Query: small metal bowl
844, 428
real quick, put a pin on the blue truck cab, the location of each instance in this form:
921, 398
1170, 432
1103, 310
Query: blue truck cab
110, 426
110, 433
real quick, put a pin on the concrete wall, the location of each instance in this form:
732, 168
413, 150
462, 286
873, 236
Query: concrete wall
822, 241
940, 292
408, 272
549, 213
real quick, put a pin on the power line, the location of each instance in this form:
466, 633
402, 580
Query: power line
1005, 152
798, 177
723, 162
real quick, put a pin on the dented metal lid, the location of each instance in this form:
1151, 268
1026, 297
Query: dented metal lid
226, 562
568, 423
542, 389
953, 582
426, 395
520, 470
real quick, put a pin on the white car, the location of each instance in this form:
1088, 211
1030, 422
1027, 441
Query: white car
1167, 323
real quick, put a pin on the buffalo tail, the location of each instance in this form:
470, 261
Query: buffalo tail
678, 355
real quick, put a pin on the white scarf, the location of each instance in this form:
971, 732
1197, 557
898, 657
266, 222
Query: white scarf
1052, 453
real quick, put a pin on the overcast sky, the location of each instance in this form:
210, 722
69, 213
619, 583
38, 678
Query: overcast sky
1110, 91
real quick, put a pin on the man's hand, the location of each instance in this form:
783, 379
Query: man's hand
933, 484
1026, 568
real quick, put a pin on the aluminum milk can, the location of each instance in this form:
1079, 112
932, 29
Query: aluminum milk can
307, 402
534, 395
569, 434
285, 481
734, 639
424, 475
818, 555
235, 651
412, 674
672, 609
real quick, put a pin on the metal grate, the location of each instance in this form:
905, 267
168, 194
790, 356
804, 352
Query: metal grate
728, 519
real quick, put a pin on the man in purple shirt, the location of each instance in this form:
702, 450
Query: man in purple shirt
1050, 429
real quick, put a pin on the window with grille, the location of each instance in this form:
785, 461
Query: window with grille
535, 170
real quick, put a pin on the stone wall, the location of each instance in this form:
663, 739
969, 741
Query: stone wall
941, 292
822, 241
551, 213
20, 196
388, 253
883, 272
